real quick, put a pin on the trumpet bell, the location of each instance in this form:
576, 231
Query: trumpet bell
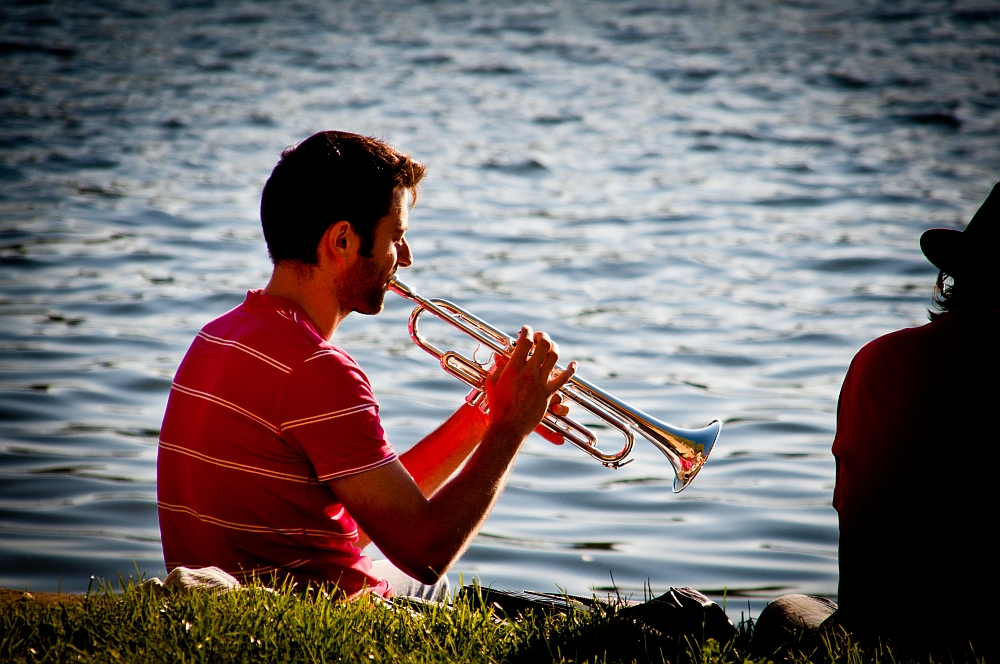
686, 449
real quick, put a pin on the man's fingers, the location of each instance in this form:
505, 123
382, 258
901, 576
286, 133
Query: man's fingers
542, 350
549, 435
560, 409
562, 377
549, 363
557, 407
522, 348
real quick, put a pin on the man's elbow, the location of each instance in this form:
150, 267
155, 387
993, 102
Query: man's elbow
428, 576
425, 566
425, 574
423, 555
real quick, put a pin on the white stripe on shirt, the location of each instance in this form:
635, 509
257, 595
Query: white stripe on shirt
246, 349
326, 416
226, 404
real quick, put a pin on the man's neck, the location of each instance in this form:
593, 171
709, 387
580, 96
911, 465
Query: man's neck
313, 290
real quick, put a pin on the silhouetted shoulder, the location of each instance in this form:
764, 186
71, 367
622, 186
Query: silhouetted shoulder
900, 346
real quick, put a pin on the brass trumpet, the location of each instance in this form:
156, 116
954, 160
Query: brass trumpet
686, 449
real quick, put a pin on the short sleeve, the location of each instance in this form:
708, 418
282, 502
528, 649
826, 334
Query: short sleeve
328, 411
851, 442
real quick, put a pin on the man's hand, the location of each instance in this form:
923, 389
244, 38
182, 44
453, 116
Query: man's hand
524, 386
556, 404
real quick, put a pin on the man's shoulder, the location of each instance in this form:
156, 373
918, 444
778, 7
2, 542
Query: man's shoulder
331, 366
268, 343
280, 335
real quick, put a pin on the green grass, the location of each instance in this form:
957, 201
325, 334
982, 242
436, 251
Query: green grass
257, 624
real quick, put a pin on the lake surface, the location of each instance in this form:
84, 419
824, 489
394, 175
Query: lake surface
711, 205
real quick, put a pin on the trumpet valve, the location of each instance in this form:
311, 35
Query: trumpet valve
477, 399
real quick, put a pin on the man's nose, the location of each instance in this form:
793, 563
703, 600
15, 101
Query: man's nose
405, 257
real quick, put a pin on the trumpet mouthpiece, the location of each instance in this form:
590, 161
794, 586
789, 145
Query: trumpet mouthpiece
401, 289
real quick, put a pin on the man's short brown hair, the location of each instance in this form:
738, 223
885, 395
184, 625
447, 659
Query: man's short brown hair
329, 177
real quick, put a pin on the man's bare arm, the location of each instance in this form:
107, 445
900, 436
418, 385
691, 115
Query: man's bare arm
436, 458
439, 454
422, 536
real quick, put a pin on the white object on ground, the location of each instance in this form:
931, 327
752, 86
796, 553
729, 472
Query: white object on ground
185, 578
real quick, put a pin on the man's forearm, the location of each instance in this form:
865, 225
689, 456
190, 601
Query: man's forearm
439, 454
457, 511
424, 537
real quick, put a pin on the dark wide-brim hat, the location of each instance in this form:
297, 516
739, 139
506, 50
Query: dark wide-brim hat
973, 253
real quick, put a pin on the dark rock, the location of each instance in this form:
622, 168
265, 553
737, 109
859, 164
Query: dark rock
684, 612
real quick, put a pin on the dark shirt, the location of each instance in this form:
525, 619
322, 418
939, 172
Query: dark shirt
916, 451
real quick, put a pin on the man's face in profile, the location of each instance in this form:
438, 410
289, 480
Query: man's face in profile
366, 281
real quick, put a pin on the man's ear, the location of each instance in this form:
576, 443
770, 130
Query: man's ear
339, 243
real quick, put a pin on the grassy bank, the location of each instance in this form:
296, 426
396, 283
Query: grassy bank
256, 624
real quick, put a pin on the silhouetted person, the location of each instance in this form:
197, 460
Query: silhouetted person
916, 451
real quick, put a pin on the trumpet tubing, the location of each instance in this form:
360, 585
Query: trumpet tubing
685, 449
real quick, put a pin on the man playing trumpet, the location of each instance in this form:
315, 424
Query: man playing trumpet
272, 458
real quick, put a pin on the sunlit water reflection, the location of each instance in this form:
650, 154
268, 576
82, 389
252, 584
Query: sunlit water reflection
711, 207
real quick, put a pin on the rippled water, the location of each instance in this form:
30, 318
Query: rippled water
711, 206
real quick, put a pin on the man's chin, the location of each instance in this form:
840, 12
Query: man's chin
370, 312
372, 308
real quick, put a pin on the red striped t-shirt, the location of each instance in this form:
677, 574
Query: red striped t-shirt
263, 412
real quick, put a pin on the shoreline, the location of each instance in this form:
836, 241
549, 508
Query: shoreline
10, 595
148, 623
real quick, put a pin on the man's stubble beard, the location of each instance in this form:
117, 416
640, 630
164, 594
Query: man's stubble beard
363, 288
